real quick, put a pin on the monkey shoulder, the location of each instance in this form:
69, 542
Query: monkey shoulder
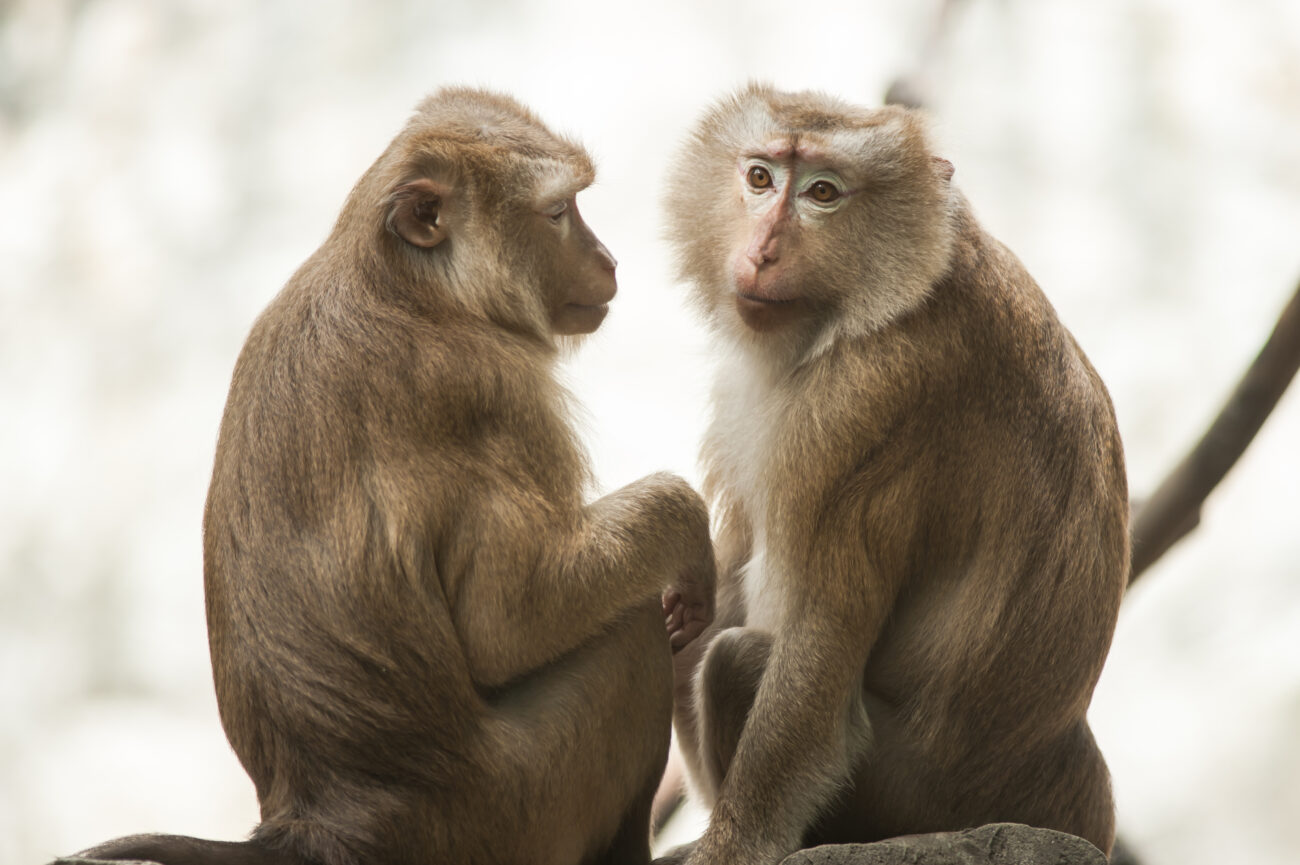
342, 405
981, 380
994, 328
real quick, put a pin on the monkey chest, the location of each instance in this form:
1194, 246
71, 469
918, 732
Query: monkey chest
782, 484
763, 581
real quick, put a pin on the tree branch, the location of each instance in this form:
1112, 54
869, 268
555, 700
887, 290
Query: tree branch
912, 89
1174, 509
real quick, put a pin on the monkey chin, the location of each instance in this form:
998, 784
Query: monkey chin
577, 319
764, 314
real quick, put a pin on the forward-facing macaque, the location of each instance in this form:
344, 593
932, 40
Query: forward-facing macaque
426, 648
919, 495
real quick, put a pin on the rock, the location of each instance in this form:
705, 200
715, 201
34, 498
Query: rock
994, 844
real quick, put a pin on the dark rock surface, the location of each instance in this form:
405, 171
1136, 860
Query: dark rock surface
994, 844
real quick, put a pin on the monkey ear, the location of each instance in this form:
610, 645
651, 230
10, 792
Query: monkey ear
416, 213
944, 167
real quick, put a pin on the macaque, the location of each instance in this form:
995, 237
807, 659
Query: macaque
918, 494
426, 646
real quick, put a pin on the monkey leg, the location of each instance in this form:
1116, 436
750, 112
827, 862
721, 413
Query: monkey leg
1070, 787
725, 686
905, 785
583, 744
893, 789
722, 693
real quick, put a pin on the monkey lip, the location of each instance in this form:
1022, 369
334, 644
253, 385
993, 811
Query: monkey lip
767, 313
766, 301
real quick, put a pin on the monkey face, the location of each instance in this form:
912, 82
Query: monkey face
784, 195
797, 216
581, 283
485, 209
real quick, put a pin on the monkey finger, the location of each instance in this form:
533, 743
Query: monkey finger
673, 618
699, 613
687, 633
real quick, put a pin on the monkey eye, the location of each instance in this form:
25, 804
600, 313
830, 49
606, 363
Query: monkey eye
759, 177
824, 192
557, 210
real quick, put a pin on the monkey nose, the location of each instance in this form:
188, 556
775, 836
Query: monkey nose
765, 254
606, 259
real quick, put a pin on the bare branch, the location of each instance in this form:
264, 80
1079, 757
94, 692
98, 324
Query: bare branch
1174, 509
912, 89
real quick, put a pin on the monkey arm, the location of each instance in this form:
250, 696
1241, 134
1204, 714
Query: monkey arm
585, 570
807, 729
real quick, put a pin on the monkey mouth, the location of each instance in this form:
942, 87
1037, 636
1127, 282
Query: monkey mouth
764, 313
766, 301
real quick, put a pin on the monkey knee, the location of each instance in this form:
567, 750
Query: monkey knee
734, 664
633, 669
728, 681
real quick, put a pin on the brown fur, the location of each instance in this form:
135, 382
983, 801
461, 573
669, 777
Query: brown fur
920, 507
426, 648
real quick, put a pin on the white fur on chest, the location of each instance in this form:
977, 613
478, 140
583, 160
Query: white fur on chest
748, 416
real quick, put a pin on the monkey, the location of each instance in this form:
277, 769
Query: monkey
425, 646
918, 493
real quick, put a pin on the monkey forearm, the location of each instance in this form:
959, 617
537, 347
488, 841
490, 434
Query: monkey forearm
659, 519
651, 534
803, 733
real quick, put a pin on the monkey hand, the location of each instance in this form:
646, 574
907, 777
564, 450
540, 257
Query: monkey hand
688, 608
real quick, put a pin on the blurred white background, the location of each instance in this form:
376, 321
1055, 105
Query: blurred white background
166, 164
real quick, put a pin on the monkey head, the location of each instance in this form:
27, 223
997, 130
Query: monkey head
477, 208
795, 213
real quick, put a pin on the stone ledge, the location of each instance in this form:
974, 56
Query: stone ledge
994, 844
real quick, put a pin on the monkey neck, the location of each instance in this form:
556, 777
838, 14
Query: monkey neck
775, 354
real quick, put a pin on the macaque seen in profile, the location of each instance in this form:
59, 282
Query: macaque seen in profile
426, 646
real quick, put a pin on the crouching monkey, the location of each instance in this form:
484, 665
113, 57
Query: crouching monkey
919, 491
426, 647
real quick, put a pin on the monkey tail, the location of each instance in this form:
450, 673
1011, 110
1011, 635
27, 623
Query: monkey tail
184, 850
